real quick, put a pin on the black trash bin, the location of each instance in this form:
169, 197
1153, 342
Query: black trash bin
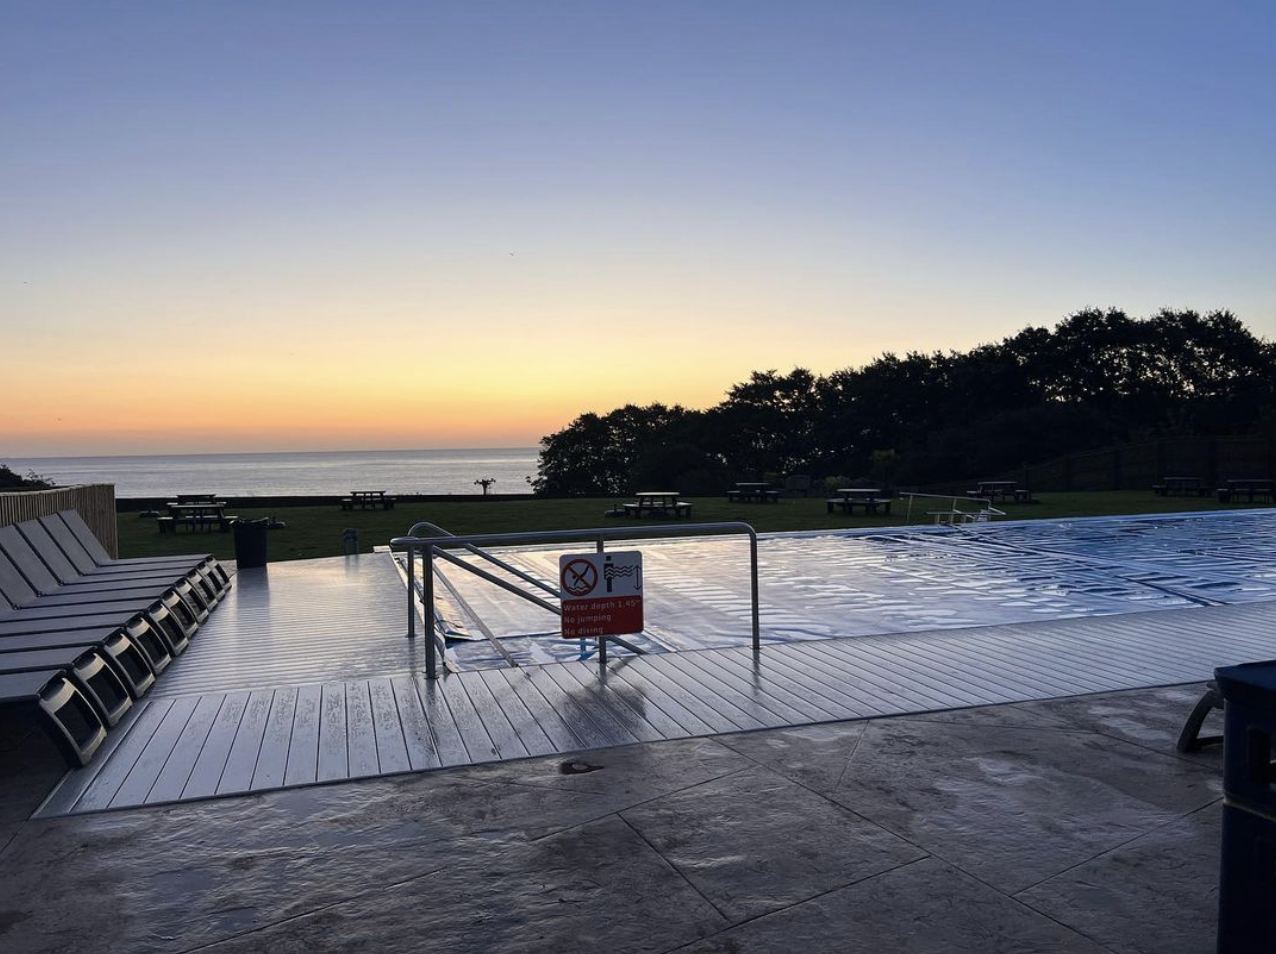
250, 542
1247, 875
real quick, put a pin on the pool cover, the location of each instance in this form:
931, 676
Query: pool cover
822, 584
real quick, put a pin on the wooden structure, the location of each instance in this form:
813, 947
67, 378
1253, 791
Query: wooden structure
94, 502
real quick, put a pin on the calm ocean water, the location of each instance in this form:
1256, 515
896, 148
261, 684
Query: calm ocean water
247, 475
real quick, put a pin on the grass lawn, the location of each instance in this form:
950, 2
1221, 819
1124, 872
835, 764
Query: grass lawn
316, 531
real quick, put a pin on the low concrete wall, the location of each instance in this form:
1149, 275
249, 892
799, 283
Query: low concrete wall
135, 504
95, 502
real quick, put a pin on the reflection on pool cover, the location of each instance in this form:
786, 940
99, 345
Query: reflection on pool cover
854, 583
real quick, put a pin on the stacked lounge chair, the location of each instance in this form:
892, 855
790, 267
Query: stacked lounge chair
83, 636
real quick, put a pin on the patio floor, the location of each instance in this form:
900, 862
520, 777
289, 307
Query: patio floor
1067, 825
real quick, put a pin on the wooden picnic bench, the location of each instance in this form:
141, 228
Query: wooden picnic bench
871, 499
753, 491
1181, 487
1000, 489
368, 500
206, 515
661, 503
1248, 487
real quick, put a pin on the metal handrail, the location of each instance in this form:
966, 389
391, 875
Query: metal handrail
442, 540
953, 510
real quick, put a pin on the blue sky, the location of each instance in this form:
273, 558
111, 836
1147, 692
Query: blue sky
508, 192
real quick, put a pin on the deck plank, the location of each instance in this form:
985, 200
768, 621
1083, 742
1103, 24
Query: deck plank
721, 715
361, 736
137, 785
172, 778
628, 671
333, 759
478, 743
646, 722
272, 760
499, 728
551, 722
570, 706
212, 757
530, 733
816, 706
784, 705
419, 745
443, 728
392, 749
303, 748
830, 696
108, 780
696, 679
652, 707
242, 761
610, 722
588, 676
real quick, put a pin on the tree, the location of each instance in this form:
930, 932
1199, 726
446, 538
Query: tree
32, 481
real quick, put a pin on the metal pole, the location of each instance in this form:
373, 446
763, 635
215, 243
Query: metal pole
602, 650
753, 580
411, 592
427, 599
600, 543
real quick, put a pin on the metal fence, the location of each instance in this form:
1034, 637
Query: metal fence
95, 502
1140, 465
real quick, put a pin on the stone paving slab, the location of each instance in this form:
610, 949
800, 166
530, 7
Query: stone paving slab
1155, 895
1066, 827
1014, 806
926, 907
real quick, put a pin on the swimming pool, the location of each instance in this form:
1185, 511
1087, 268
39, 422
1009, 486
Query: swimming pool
821, 584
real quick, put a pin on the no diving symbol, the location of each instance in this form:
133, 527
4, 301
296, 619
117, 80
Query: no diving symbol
579, 577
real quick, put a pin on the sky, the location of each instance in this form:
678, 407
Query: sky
239, 226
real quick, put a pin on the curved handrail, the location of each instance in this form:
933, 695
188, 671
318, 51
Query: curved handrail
442, 539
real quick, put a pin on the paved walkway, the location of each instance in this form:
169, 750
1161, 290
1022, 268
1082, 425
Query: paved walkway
1046, 827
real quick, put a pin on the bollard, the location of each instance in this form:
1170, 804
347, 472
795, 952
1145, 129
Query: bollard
350, 541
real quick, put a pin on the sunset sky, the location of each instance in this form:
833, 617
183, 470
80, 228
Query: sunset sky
308, 225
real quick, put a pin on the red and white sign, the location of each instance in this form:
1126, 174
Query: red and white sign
601, 593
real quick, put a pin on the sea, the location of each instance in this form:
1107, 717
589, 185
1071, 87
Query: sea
301, 474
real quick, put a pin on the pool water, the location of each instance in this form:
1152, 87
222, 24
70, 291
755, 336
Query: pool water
816, 585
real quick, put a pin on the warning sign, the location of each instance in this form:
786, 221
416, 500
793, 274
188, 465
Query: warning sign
601, 593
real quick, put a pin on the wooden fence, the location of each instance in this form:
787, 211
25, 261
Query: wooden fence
96, 503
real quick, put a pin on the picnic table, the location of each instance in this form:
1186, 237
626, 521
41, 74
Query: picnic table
202, 515
368, 500
748, 491
1181, 487
1003, 489
872, 499
195, 498
1249, 487
657, 503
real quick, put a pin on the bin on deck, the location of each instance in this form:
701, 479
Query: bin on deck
250, 542
1247, 876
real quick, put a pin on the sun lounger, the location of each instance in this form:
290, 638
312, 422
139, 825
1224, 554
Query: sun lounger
16, 585
124, 653
87, 667
97, 553
153, 639
200, 573
22, 612
47, 574
62, 710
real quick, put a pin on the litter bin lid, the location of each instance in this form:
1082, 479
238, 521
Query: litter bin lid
1250, 684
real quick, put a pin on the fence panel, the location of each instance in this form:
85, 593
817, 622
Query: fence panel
95, 502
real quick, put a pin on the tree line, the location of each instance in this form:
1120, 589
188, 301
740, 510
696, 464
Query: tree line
1098, 377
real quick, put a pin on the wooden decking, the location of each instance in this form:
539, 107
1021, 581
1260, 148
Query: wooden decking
258, 736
